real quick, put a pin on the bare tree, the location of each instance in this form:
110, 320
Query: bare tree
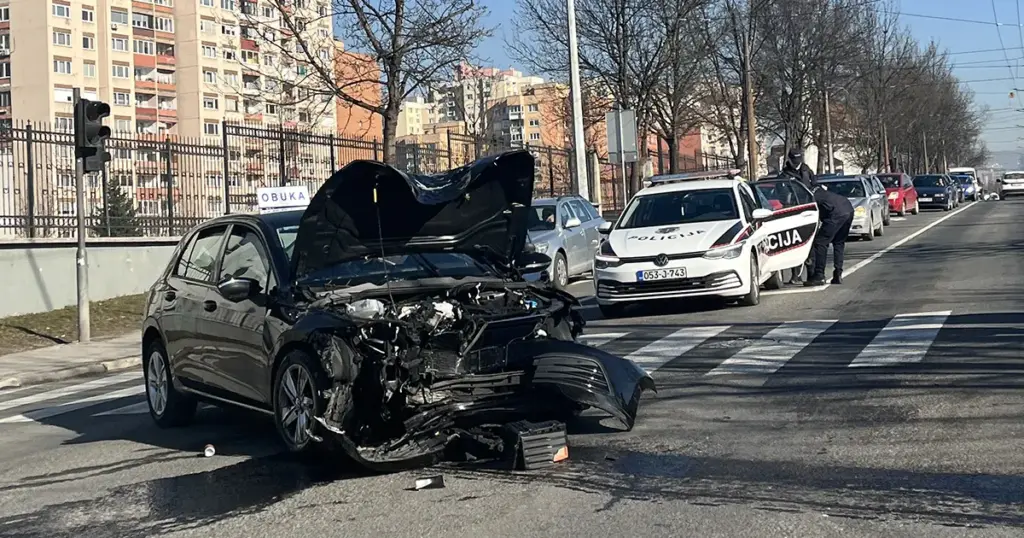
412, 45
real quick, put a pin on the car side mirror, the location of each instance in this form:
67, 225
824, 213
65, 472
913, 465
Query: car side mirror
761, 214
533, 262
236, 289
605, 227
876, 196
573, 222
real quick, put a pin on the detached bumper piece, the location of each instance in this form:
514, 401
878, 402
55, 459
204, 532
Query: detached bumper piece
536, 445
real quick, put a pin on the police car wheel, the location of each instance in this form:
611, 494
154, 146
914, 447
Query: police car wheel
753, 298
774, 282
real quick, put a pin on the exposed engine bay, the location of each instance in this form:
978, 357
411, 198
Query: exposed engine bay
418, 376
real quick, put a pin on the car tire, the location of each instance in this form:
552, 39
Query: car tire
169, 407
887, 220
753, 297
903, 209
881, 230
296, 401
611, 311
560, 278
870, 236
947, 207
917, 208
774, 282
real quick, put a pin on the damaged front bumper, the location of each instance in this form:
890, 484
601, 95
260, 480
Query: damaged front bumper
546, 379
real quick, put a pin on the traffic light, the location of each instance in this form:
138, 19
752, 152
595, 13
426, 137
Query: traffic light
91, 134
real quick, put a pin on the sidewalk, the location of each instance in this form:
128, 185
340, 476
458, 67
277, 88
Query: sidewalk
70, 360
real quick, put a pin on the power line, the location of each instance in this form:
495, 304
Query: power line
999, 33
936, 17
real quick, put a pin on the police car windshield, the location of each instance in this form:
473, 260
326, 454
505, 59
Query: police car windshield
541, 218
928, 181
849, 189
890, 182
680, 207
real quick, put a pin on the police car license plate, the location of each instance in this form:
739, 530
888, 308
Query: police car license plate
926, 199
660, 274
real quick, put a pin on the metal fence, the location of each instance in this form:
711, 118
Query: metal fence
157, 185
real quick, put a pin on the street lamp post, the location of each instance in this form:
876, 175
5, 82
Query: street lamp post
579, 148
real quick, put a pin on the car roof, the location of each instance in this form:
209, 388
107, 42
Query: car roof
556, 199
277, 219
693, 185
836, 179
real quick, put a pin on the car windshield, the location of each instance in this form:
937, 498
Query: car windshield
680, 207
377, 270
541, 218
965, 180
1014, 175
928, 181
849, 189
890, 182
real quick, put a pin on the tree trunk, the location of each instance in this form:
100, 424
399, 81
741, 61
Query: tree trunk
673, 153
390, 129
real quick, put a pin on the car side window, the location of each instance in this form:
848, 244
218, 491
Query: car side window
748, 204
199, 261
564, 213
581, 210
907, 182
245, 256
802, 194
591, 209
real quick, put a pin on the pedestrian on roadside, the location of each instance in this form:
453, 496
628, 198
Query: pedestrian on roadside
796, 168
836, 215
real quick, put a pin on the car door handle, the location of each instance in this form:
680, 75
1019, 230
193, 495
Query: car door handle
170, 295
808, 214
209, 306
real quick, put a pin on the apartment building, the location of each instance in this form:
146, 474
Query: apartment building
416, 117
468, 98
359, 74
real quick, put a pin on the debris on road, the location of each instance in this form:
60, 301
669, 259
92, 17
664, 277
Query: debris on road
431, 482
209, 451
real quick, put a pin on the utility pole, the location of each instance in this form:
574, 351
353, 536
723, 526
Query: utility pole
927, 167
828, 134
885, 148
580, 145
748, 90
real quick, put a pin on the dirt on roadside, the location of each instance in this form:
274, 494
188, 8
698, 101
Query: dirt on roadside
112, 317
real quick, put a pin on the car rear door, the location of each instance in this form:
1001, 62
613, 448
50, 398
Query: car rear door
788, 233
577, 255
591, 221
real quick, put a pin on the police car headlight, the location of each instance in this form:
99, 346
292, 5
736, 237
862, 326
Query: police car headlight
606, 257
860, 211
730, 252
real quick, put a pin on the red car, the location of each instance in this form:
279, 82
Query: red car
899, 190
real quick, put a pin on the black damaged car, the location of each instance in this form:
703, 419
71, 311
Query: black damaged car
391, 319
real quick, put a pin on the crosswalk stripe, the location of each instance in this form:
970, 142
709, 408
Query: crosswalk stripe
47, 412
600, 339
659, 352
774, 349
906, 338
69, 390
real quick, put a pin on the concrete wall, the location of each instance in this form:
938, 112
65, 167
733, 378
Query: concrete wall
38, 275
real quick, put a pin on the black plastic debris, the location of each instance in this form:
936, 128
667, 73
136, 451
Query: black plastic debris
537, 445
431, 482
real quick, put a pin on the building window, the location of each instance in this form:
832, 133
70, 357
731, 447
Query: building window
62, 123
210, 77
62, 67
227, 4
62, 39
534, 123
211, 128
5, 14
207, 3
210, 103
165, 24
141, 46
60, 10
534, 136
532, 108
209, 52
141, 20
5, 70
119, 44
250, 57
122, 99
229, 55
89, 70
271, 108
122, 125
228, 29
88, 15
118, 17
5, 98
88, 42
119, 71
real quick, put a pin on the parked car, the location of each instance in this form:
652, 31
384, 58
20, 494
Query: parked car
900, 193
935, 191
970, 187
867, 204
957, 188
390, 340
880, 190
566, 229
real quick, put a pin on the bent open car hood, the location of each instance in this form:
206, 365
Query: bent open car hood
370, 208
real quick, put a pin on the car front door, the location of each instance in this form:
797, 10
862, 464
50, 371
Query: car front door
575, 240
236, 329
187, 288
883, 204
909, 192
789, 232
590, 223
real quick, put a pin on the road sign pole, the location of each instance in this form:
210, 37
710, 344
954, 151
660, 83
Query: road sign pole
579, 149
622, 154
81, 258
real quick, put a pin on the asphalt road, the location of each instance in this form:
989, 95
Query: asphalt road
889, 406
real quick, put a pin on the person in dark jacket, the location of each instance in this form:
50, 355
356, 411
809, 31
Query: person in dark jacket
836, 215
796, 168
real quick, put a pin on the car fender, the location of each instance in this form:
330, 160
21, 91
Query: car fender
316, 331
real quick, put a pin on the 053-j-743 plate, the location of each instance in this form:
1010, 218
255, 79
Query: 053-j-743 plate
660, 274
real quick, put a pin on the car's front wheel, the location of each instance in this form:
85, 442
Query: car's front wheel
297, 401
753, 297
561, 276
168, 407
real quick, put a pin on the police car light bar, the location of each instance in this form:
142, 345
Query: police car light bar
692, 176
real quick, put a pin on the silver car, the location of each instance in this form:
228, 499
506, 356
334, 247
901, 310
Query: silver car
566, 229
880, 190
867, 204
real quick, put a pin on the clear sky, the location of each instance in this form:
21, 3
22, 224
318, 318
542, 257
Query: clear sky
959, 35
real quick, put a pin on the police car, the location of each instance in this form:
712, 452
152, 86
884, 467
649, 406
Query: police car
702, 234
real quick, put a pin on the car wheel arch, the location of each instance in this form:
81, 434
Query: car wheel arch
304, 346
151, 334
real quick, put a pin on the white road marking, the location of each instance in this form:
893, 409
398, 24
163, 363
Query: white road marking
141, 408
69, 390
898, 219
659, 352
906, 338
774, 349
47, 412
600, 339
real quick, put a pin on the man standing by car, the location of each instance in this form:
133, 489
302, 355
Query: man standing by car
836, 213
796, 168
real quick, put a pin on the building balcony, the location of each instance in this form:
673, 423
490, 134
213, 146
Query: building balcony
249, 44
144, 60
143, 84
164, 59
254, 116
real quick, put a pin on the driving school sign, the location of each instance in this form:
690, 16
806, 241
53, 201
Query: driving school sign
272, 199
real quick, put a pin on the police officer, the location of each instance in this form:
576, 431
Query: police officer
836, 214
796, 168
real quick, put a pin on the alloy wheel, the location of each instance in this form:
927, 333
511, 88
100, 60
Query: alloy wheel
156, 383
295, 404
561, 272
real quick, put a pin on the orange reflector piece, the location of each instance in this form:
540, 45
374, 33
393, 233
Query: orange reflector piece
562, 454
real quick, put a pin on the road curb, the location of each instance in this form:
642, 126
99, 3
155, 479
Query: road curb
70, 373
